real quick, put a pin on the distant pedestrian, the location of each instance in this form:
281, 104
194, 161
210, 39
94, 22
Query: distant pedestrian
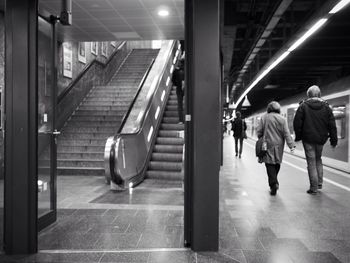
274, 129
313, 124
178, 80
239, 133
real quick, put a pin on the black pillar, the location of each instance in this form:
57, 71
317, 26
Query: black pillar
203, 133
20, 231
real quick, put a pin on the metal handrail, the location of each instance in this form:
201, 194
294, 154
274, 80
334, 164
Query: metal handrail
82, 73
126, 115
147, 107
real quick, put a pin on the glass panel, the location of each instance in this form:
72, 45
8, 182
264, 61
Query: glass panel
45, 124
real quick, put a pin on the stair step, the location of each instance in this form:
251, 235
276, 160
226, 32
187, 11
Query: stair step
170, 120
75, 163
172, 113
171, 126
163, 175
168, 133
70, 136
93, 124
81, 142
170, 141
80, 155
167, 157
168, 148
171, 107
119, 103
109, 130
103, 107
96, 171
96, 118
91, 112
80, 148
165, 166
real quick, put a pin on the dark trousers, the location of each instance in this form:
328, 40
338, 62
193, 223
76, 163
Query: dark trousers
240, 140
180, 110
272, 172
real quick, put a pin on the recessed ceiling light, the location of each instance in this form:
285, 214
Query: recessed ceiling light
163, 12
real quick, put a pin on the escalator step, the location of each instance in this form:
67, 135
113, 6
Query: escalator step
163, 175
167, 157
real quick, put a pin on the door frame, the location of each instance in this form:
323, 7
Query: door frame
50, 217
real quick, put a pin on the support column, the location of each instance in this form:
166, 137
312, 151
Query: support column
203, 133
20, 231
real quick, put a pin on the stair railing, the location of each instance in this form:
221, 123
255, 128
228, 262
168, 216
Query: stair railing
128, 152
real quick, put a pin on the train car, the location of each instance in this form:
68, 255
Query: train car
338, 158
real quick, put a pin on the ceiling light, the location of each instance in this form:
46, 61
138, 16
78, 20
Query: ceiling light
339, 6
312, 30
163, 12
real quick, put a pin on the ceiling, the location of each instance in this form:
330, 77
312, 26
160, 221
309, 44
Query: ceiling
103, 20
265, 28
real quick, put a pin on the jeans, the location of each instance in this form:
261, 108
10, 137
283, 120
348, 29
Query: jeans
240, 145
313, 153
272, 172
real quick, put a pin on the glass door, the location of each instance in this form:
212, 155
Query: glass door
47, 157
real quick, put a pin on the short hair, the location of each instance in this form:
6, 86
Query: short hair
273, 106
238, 114
313, 91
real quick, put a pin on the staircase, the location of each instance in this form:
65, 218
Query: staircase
82, 140
166, 160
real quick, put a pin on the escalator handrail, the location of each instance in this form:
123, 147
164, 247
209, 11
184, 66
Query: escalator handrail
126, 115
149, 104
71, 85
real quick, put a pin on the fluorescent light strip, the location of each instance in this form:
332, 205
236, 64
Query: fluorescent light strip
339, 6
157, 113
262, 75
312, 30
150, 134
296, 44
174, 60
163, 95
167, 81
172, 69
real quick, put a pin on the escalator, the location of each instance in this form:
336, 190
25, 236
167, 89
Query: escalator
147, 144
166, 161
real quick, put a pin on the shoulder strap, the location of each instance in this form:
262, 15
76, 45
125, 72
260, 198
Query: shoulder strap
265, 126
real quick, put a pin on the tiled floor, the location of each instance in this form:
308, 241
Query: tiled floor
96, 225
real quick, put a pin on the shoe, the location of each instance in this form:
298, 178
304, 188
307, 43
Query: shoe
319, 186
311, 192
273, 191
239, 156
236, 154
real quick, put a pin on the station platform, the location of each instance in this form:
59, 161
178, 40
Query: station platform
97, 225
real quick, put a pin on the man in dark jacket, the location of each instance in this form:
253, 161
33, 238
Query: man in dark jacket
238, 127
313, 123
178, 81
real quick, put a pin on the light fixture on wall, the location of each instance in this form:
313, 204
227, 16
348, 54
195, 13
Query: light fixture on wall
163, 13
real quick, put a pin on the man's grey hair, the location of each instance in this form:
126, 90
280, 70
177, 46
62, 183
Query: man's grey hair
313, 92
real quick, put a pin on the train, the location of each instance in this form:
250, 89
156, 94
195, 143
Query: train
338, 98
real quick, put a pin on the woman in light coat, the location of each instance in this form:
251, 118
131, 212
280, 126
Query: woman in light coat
275, 129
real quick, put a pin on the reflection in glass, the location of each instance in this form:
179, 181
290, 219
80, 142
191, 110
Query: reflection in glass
45, 124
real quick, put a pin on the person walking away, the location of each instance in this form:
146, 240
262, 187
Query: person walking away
178, 81
313, 123
273, 128
238, 127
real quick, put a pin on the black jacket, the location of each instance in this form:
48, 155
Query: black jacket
237, 127
314, 122
177, 78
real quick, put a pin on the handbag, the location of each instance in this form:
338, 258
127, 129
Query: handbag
261, 145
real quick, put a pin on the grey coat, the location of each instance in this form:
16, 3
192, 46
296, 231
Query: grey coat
276, 133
